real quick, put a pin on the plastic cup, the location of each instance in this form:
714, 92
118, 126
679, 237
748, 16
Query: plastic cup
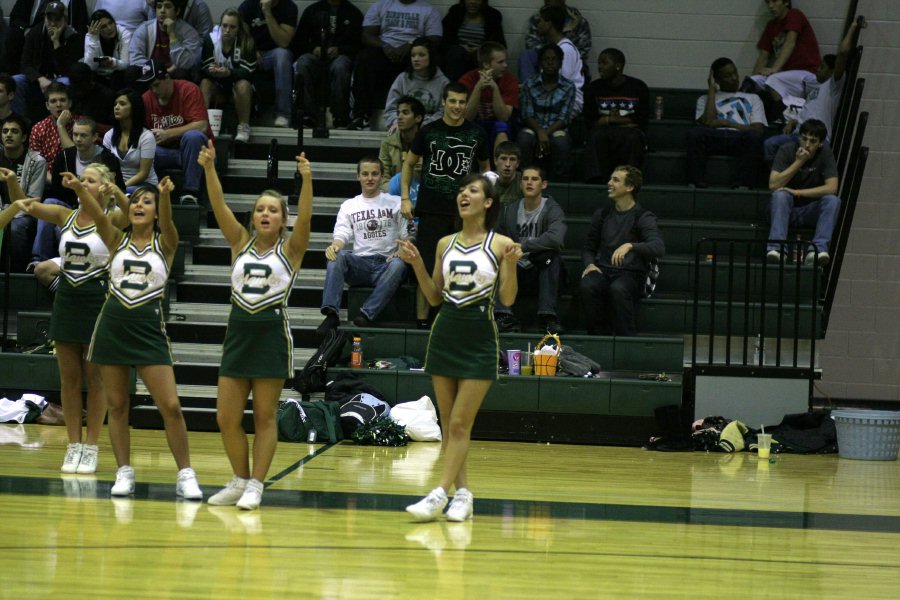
513, 358
215, 121
527, 368
764, 444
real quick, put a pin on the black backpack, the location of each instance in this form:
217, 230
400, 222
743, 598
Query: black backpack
653, 271
314, 376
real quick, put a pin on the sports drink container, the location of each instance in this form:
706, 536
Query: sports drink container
356, 356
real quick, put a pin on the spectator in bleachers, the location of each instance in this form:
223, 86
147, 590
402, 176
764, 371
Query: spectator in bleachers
178, 119
822, 96
731, 122
788, 56
272, 24
130, 142
29, 169
7, 94
106, 49
89, 98
550, 27
50, 47
54, 131
410, 114
616, 110
229, 61
538, 223
575, 27
388, 30
335, 28
493, 93
804, 184
168, 39
127, 13
423, 79
448, 149
372, 222
468, 25
621, 242
74, 159
547, 101
507, 158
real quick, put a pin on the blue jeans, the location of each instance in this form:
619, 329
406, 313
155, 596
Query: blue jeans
542, 278
377, 271
772, 144
46, 240
184, 157
703, 141
560, 151
339, 71
278, 60
21, 238
821, 213
609, 299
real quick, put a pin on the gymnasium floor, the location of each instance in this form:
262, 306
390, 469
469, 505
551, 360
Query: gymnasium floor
552, 521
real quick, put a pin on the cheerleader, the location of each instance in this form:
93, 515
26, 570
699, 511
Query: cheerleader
463, 349
257, 355
131, 329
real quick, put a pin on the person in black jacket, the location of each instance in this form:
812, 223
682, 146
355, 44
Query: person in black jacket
538, 223
616, 255
616, 108
329, 33
467, 25
24, 15
49, 50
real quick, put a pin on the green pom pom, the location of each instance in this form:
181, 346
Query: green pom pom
381, 431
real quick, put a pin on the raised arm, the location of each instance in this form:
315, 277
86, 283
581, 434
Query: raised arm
235, 234
13, 187
169, 234
406, 177
9, 213
119, 218
509, 283
840, 61
109, 233
299, 240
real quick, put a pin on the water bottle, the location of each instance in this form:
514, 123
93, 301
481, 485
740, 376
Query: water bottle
356, 356
658, 108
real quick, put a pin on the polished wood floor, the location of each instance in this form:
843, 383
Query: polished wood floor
551, 521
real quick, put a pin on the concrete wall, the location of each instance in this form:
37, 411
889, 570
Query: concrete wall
671, 44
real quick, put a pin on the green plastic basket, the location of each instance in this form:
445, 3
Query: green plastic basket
867, 434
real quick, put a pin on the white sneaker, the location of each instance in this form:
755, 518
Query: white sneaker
252, 495
774, 256
187, 486
461, 506
243, 133
124, 485
230, 494
824, 258
282, 122
73, 457
88, 462
430, 507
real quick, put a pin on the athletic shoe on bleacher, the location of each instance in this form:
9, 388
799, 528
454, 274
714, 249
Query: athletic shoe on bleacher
281, 121
243, 133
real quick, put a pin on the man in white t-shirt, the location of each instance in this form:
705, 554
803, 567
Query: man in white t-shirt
731, 123
373, 223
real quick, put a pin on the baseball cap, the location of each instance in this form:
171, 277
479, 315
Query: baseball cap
55, 9
152, 71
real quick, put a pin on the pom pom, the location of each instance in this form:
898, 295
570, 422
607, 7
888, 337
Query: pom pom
381, 431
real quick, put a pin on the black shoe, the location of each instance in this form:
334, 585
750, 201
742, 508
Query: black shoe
506, 322
358, 123
362, 320
339, 123
309, 121
332, 321
552, 324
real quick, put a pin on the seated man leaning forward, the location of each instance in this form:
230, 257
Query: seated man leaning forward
621, 242
804, 184
372, 221
538, 223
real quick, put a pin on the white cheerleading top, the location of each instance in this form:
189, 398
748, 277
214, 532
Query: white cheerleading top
83, 253
138, 276
262, 281
470, 273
